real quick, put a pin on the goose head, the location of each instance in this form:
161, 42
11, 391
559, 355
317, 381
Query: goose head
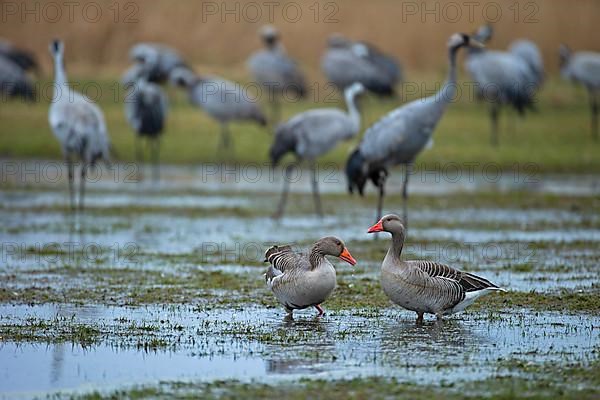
332, 246
390, 223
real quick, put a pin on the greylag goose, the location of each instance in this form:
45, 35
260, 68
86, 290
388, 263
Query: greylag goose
302, 280
425, 286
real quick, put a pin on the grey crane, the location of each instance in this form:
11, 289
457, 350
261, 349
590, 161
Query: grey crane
160, 60
23, 58
146, 107
529, 52
311, 134
223, 100
398, 137
78, 124
346, 62
584, 67
14, 81
276, 72
502, 78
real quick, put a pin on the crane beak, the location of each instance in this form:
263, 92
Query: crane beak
346, 256
378, 227
476, 43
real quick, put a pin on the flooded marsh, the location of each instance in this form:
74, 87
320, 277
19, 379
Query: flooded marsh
165, 284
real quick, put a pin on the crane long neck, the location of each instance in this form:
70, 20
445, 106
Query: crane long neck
352, 109
60, 76
448, 91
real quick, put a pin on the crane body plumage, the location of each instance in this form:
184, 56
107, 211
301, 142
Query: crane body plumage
160, 60
346, 62
14, 81
146, 108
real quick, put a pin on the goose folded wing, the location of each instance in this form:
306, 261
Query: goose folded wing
467, 281
282, 260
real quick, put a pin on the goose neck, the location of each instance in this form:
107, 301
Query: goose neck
316, 256
397, 245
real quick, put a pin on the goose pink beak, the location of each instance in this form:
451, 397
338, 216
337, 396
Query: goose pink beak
378, 227
346, 256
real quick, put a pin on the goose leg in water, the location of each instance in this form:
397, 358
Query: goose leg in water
286, 187
320, 309
419, 318
315, 188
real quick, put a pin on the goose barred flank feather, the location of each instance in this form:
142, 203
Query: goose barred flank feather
467, 281
280, 258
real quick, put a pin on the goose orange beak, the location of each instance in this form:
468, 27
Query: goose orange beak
346, 256
378, 227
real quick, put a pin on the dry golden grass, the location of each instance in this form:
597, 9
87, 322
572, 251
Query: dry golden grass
204, 39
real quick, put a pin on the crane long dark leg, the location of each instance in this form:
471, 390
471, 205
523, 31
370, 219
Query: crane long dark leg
315, 188
71, 175
276, 111
156, 159
139, 156
82, 185
225, 143
494, 114
381, 185
594, 108
407, 173
284, 195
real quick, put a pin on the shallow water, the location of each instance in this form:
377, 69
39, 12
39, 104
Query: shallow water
254, 344
432, 180
192, 223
